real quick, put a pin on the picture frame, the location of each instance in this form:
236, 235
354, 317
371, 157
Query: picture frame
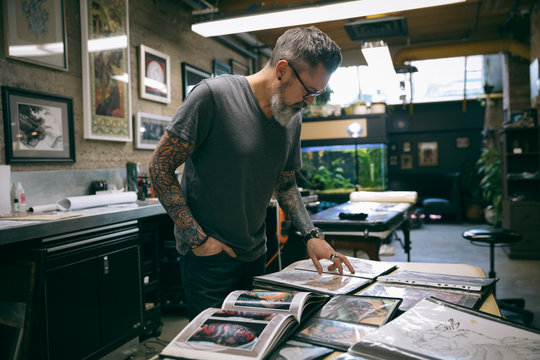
406, 162
462, 142
237, 68
154, 75
106, 70
407, 146
428, 153
220, 68
149, 129
393, 160
38, 127
191, 76
44, 31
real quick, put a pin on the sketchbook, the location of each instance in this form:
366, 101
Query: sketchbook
345, 319
234, 332
435, 329
368, 269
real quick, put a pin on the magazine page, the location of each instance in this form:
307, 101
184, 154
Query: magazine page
297, 350
288, 302
412, 295
363, 268
435, 329
307, 280
345, 319
227, 334
467, 283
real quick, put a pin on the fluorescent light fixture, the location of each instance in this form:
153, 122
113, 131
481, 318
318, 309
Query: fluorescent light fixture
378, 57
310, 15
110, 43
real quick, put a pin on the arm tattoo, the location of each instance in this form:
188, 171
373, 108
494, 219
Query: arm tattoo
170, 153
291, 203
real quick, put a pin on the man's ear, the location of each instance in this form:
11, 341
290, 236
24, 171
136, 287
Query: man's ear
282, 69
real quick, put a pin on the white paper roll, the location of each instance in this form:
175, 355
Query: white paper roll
384, 196
5, 189
43, 208
88, 201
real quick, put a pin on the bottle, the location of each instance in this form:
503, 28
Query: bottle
20, 204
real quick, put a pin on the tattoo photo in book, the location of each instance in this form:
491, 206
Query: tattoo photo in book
435, 329
345, 319
250, 324
297, 350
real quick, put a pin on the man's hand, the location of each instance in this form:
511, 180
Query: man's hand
213, 246
318, 248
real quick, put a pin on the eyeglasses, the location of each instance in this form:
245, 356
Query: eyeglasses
309, 94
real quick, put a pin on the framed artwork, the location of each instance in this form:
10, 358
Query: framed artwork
105, 70
393, 160
38, 127
407, 146
393, 147
220, 68
238, 68
462, 142
191, 76
38, 26
406, 162
428, 154
149, 129
154, 75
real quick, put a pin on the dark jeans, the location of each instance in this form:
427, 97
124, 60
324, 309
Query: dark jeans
207, 280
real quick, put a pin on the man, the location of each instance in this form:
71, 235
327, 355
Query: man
239, 138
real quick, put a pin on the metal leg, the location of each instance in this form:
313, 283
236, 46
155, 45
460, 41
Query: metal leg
406, 239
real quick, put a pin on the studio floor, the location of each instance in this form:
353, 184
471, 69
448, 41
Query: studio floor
435, 243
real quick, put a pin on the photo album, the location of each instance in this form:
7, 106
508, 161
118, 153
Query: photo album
250, 324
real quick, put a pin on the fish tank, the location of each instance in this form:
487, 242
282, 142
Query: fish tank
329, 167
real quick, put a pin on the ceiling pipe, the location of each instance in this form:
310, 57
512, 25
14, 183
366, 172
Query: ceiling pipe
462, 49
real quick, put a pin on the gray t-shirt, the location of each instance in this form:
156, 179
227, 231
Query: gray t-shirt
239, 156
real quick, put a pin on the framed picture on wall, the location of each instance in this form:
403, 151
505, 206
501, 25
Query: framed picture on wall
39, 27
191, 76
154, 75
428, 154
393, 160
238, 68
462, 142
105, 70
407, 146
149, 129
38, 127
406, 162
220, 68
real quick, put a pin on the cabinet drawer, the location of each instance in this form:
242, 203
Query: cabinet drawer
524, 215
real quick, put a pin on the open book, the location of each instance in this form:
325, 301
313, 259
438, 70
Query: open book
345, 319
434, 329
304, 276
234, 332
414, 286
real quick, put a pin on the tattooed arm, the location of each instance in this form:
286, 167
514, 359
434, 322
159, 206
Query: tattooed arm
170, 153
291, 203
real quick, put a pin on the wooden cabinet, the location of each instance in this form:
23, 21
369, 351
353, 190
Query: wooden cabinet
92, 291
521, 189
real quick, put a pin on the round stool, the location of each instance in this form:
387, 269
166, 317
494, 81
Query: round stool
499, 237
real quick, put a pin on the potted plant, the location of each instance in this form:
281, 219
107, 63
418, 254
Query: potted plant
489, 168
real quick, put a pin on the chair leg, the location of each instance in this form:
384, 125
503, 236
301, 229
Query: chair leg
524, 315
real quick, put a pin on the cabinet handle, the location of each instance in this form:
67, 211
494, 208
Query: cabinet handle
93, 240
105, 265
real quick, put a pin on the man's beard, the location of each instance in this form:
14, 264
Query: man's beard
284, 113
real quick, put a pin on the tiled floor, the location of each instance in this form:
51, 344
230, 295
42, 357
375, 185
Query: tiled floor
438, 243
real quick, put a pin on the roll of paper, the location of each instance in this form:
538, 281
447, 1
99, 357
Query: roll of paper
88, 201
5, 189
43, 208
384, 196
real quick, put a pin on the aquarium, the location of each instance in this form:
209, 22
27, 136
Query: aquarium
344, 166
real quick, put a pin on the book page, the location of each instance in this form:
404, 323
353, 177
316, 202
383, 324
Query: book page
467, 283
226, 334
363, 268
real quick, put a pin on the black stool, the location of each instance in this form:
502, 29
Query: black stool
500, 237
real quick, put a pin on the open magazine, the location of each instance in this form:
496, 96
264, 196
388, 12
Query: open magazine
434, 329
345, 319
304, 276
413, 286
234, 332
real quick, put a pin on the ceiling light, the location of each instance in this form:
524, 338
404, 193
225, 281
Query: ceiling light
378, 57
309, 15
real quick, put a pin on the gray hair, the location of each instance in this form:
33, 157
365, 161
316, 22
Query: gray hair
305, 48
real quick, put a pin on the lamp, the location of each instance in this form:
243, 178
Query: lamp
354, 129
378, 57
309, 15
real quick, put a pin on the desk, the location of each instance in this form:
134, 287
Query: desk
382, 219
